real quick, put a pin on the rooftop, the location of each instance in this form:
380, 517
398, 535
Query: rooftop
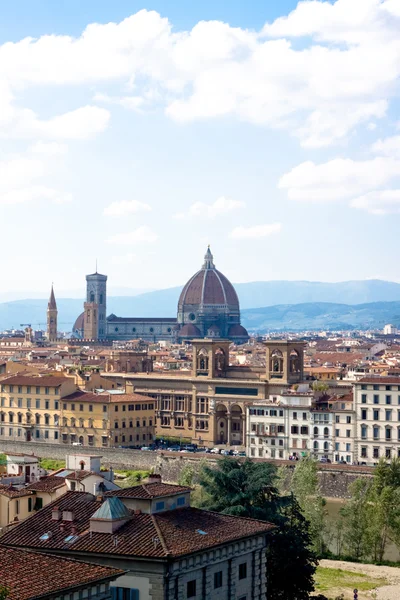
48, 381
30, 575
149, 490
171, 533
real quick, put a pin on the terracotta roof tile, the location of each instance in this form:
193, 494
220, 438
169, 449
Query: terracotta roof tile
31, 575
176, 532
149, 490
46, 484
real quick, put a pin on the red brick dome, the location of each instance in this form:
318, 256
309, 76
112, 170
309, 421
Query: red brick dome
78, 325
208, 287
237, 331
189, 331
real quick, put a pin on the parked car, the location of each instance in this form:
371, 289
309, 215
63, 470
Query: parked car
173, 449
145, 448
323, 459
77, 444
241, 453
215, 451
227, 452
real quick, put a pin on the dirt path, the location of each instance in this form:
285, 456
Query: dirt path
391, 574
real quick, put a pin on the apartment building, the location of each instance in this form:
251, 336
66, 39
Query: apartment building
279, 428
377, 410
344, 428
52, 409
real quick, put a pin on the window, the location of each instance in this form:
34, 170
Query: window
181, 501
104, 408
72, 407
295, 415
56, 405
363, 432
376, 398
376, 415
47, 404
348, 420
81, 407
19, 402
348, 447
160, 505
376, 432
388, 433
348, 432
337, 446
388, 415
217, 579
375, 452
388, 399
17, 507
337, 419
388, 453
243, 570
364, 414
363, 398
191, 589
363, 451
29, 504
375, 387
90, 407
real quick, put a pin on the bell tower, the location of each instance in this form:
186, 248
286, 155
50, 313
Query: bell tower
210, 357
95, 307
52, 314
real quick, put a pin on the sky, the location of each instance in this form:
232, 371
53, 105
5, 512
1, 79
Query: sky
137, 133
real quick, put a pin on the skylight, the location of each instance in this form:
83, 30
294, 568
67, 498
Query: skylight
201, 532
70, 539
46, 536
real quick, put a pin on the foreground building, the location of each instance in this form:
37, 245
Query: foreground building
168, 549
207, 306
33, 576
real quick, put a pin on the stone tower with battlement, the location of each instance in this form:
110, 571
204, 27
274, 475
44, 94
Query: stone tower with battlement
52, 314
95, 307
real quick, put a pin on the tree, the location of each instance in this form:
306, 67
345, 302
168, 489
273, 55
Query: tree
4, 592
305, 486
356, 514
291, 563
248, 489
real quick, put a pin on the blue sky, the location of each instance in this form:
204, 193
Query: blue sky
138, 133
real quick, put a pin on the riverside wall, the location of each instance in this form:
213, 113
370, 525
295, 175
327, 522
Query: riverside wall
334, 479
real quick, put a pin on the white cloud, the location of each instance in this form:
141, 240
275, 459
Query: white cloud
338, 179
221, 206
257, 231
140, 235
126, 207
22, 180
48, 148
129, 102
381, 202
389, 146
319, 92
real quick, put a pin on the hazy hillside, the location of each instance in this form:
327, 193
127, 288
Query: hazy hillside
280, 296
321, 315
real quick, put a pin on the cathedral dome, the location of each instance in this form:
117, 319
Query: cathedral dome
238, 331
189, 331
78, 325
208, 287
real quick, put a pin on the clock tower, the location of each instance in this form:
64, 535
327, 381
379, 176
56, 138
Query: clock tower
52, 314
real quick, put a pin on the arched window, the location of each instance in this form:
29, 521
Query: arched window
11, 417
316, 446
81, 422
315, 430
90, 422
101, 299
91, 297
276, 362
37, 419
294, 362
73, 421
65, 422
56, 420
326, 446
81, 439
326, 432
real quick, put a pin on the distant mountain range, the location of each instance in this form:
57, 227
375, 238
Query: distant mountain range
266, 305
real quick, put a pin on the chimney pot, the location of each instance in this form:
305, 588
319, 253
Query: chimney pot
138, 511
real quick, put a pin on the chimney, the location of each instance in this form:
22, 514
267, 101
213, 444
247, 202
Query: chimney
68, 515
62, 526
56, 514
137, 511
74, 529
154, 478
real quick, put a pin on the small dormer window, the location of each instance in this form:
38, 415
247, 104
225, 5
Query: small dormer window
160, 505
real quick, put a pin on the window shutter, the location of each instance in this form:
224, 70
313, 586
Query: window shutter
113, 591
134, 595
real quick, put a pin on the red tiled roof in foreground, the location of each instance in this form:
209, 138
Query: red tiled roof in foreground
172, 533
30, 575
378, 379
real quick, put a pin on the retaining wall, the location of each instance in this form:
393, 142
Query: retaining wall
334, 479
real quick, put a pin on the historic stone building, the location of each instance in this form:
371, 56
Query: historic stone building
52, 313
208, 307
208, 405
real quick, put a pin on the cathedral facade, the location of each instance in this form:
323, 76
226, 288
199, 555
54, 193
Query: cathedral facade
208, 306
